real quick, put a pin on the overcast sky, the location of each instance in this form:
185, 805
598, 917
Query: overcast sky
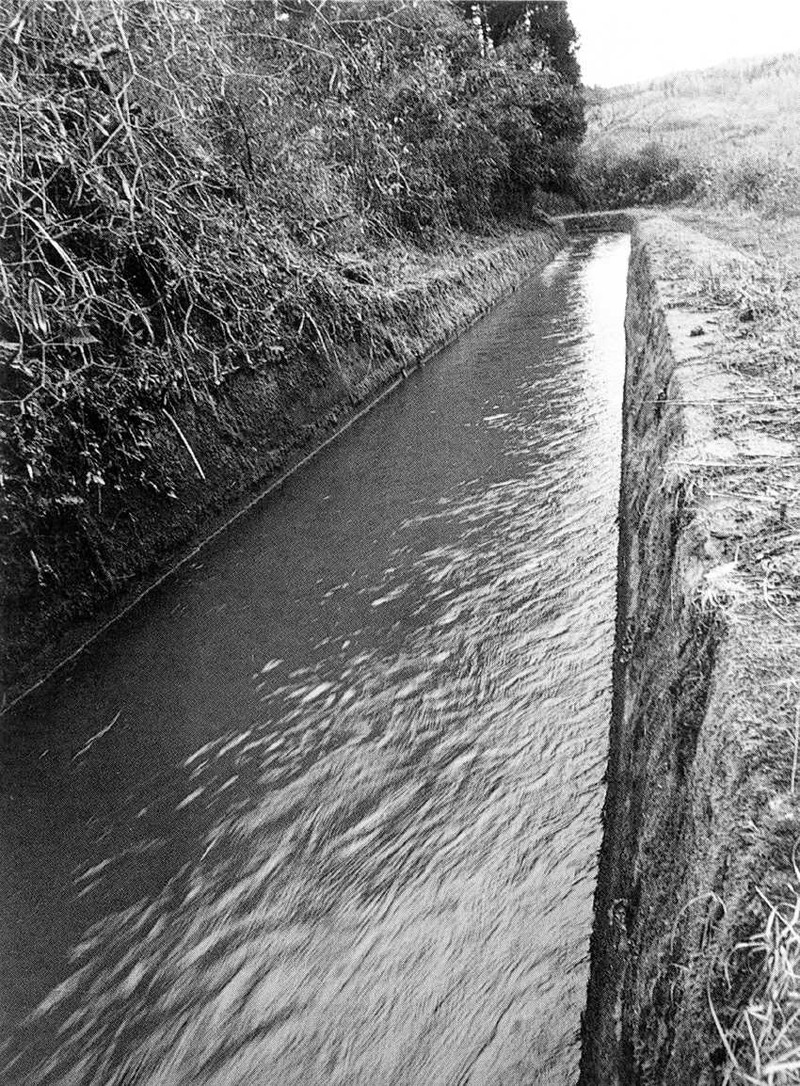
625, 41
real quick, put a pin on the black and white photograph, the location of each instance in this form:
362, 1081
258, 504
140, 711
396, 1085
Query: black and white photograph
399, 543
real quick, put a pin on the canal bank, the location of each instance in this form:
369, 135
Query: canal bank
215, 457
694, 948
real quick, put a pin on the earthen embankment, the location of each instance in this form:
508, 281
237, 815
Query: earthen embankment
701, 815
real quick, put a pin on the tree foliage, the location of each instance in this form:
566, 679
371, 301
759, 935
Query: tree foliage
545, 22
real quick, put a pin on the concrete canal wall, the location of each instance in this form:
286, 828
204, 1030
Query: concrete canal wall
701, 812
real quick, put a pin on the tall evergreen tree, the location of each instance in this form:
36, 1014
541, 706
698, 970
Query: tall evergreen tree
546, 22
550, 26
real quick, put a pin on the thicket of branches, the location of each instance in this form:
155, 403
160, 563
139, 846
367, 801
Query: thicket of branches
180, 177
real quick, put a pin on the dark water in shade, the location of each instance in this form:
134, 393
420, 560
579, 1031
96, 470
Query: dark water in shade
325, 809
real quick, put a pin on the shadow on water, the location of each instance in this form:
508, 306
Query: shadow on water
325, 809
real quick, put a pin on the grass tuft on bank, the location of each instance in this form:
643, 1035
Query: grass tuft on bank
763, 1046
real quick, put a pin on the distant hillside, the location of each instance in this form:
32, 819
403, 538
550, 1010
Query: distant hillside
741, 106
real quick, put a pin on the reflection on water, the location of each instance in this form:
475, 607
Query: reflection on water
326, 808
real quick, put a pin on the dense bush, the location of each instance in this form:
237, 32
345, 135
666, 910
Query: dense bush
649, 175
605, 177
178, 177
757, 181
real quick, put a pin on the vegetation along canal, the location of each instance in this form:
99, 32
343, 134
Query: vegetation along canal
325, 807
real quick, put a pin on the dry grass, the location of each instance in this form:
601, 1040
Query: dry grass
760, 300
763, 1046
744, 106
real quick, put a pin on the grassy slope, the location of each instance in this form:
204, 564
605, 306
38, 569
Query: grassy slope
717, 113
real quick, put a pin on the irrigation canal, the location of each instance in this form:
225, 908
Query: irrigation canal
325, 807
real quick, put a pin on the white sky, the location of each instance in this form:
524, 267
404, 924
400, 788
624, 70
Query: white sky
626, 41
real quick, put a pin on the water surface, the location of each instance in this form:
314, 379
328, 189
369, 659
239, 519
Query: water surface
325, 808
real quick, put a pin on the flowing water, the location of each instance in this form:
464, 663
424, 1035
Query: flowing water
325, 807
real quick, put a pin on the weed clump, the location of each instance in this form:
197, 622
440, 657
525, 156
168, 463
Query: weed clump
763, 1044
649, 175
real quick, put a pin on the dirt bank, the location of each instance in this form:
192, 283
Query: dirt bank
217, 454
701, 815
